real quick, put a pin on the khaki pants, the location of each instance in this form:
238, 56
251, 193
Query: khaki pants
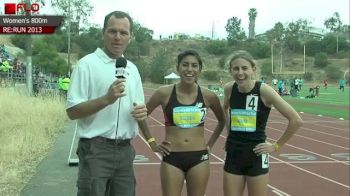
105, 169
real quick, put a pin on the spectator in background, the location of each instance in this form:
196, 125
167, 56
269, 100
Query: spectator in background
292, 84
5, 67
274, 82
317, 90
296, 84
16, 65
342, 84
301, 83
65, 82
325, 84
36, 85
60, 85
280, 86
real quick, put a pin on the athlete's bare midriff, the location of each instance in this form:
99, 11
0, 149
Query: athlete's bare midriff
191, 139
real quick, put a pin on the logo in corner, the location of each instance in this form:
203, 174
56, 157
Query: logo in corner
13, 8
10, 8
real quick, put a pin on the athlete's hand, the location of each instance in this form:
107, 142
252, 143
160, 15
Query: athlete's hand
163, 148
264, 148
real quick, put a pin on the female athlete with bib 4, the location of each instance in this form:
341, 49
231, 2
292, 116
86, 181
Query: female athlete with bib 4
247, 104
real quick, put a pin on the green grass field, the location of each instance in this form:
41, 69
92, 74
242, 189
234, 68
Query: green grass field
331, 102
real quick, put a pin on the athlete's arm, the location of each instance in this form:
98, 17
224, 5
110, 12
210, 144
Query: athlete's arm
215, 106
155, 100
226, 104
271, 98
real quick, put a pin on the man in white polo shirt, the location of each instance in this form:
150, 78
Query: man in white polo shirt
107, 110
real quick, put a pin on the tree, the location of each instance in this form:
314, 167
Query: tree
258, 49
313, 47
159, 66
55, 40
142, 37
276, 37
296, 33
88, 40
217, 47
45, 57
19, 40
335, 25
141, 33
234, 30
252, 16
276, 34
78, 10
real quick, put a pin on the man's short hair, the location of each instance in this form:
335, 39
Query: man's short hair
118, 14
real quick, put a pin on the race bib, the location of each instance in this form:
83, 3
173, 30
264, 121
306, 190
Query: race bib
188, 116
243, 120
264, 161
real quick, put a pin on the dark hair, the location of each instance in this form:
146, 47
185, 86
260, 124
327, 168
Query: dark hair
118, 14
186, 53
241, 54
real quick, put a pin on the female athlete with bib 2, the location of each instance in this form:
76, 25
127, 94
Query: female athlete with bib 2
248, 103
185, 149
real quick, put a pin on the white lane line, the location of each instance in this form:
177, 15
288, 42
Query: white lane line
305, 128
309, 138
315, 153
277, 191
318, 123
312, 173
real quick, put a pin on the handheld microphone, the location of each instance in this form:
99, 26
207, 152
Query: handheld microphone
120, 73
120, 65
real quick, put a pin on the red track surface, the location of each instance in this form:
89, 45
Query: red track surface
314, 162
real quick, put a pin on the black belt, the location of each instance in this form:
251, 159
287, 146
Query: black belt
117, 142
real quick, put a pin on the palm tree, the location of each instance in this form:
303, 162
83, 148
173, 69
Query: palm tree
252, 16
334, 24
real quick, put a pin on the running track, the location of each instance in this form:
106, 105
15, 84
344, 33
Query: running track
314, 162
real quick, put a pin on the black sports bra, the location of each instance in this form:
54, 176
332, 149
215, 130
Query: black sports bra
185, 116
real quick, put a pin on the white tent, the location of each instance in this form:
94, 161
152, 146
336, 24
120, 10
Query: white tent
172, 76
168, 79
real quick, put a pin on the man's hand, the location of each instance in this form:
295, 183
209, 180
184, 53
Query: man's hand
116, 90
139, 112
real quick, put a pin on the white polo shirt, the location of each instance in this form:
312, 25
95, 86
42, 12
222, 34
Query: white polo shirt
91, 79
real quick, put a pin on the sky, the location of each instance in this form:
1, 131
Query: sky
166, 17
